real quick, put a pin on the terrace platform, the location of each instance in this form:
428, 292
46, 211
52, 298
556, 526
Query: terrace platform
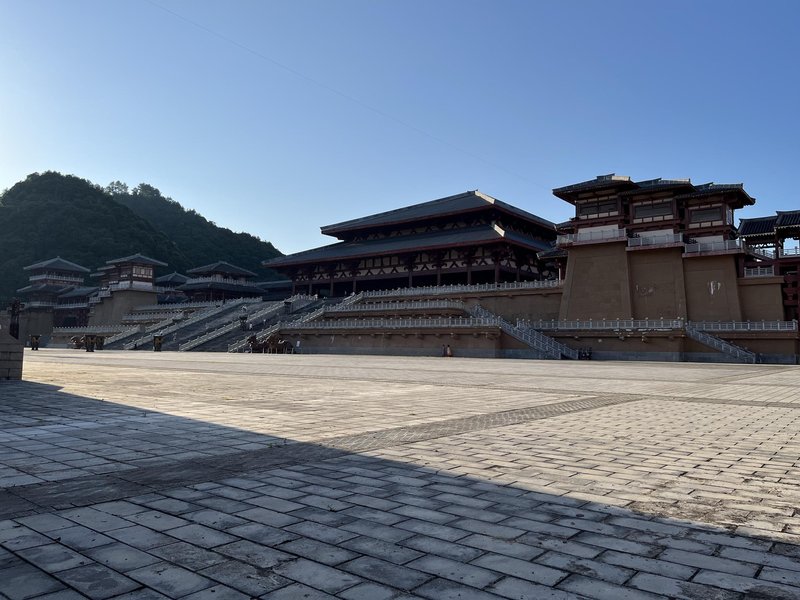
143, 475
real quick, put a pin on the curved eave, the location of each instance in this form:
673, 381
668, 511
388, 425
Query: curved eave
347, 251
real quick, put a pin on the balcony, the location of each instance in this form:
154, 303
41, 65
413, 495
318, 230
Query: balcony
789, 252
592, 237
56, 278
759, 272
661, 241
142, 286
719, 247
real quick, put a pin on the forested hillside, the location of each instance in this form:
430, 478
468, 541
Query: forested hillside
51, 214
193, 233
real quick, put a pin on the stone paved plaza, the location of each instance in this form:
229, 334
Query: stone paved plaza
174, 475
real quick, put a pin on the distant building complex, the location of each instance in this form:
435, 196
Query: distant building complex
652, 269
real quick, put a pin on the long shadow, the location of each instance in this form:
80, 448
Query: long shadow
130, 507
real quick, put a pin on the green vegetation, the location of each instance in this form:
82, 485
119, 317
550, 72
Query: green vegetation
51, 214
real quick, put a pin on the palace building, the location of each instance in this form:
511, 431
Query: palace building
468, 238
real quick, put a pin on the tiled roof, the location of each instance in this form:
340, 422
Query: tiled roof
57, 264
221, 267
392, 245
651, 185
790, 218
43, 288
137, 259
599, 182
173, 277
757, 226
471, 201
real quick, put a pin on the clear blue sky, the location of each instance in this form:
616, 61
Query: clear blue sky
278, 117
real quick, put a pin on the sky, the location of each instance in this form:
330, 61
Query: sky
277, 118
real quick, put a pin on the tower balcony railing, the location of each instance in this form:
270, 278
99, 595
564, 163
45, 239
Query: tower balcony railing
759, 271
717, 246
67, 279
143, 286
72, 305
655, 325
584, 237
393, 306
784, 252
661, 239
436, 290
388, 324
39, 304
218, 279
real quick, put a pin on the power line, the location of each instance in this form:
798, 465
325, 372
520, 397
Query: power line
338, 92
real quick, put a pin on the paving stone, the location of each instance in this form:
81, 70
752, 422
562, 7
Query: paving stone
25, 581
321, 532
45, 523
53, 557
297, 591
454, 570
17, 537
502, 546
676, 588
712, 563
429, 545
217, 592
386, 572
94, 519
520, 569
136, 536
200, 535
519, 589
602, 590
245, 578
170, 580
156, 520
120, 557
442, 589
317, 575
214, 519
648, 565
188, 555
317, 551
97, 582
254, 554
377, 531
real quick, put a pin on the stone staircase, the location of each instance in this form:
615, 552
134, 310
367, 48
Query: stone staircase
733, 351
218, 340
176, 333
545, 345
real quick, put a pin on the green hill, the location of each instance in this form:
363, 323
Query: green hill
51, 214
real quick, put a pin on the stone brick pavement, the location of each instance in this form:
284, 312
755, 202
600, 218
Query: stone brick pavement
133, 475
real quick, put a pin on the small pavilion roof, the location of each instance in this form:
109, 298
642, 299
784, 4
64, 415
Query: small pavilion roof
173, 277
43, 288
601, 182
136, 259
471, 201
758, 226
221, 267
438, 240
789, 218
57, 264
